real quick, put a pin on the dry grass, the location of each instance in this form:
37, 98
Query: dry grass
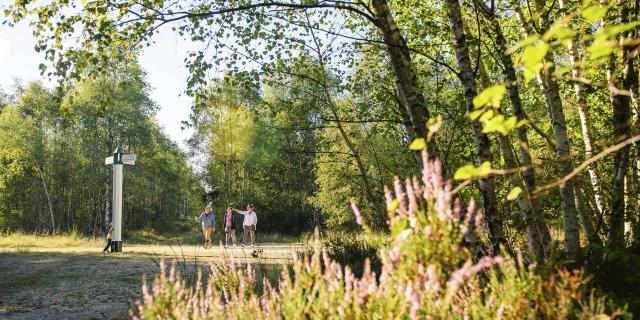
24, 241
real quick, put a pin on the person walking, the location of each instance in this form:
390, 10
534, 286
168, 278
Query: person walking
249, 224
109, 238
208, 225
229, 227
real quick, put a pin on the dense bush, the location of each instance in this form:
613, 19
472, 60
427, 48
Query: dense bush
353, 249
426, 273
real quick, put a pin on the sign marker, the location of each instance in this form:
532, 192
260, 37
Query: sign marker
118, 160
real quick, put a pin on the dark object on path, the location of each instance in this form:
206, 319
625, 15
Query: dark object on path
257, 253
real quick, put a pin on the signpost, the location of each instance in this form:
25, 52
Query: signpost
118, 160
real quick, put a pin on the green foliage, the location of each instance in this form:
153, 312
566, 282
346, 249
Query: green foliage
53, 150
426, 272
491, 96
354, 249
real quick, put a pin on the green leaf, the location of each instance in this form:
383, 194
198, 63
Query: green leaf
393, 205
532, 59
524, 43
602, 46
490, 96
434, 124
470, 171
475, 114
418, 144
594, 13
465, 172
488, 115
614, 30
514, 193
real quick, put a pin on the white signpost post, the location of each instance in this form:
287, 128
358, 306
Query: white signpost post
118, 160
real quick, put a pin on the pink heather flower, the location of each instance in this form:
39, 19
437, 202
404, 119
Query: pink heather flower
416, 185
394, 254
413, 204
404, 234
456, 209
436, 175
357, 213
413, 297
500, 312
172, 273
388, 197
478, 222
458, 277
428, 232
433, 280
400, 195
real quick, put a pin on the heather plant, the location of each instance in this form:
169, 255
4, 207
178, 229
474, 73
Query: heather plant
432, 267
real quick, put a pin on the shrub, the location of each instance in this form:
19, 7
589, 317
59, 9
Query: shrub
426, 273
353, 249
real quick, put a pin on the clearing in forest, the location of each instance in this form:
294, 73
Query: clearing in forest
82, 283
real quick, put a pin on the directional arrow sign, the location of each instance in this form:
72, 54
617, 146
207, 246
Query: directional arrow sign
129, 159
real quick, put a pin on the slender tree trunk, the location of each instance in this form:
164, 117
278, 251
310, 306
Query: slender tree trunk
46, 193
528, 175
585, 218
523, 199
551, 92
483, 145
585, 120
403, 68
227, 183
621, 105
635, 95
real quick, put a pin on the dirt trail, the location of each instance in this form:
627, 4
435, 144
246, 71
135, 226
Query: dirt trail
82, 283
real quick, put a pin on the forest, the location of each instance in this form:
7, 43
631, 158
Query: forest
54, 141
317, 110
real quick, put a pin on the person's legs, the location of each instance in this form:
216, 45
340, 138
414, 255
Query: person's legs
245, 231
207, 234
252, 234
209, 230
108, 245
233, 236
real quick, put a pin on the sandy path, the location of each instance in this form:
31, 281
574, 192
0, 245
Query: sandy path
82, 283
263, 251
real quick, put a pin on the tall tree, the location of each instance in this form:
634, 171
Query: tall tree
551, 93
483, 145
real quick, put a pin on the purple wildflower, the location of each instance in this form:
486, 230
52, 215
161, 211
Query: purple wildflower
357, 213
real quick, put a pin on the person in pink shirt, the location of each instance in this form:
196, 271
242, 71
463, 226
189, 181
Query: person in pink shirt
229, 227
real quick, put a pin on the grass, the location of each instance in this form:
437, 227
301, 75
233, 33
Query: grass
149, 236
24, 241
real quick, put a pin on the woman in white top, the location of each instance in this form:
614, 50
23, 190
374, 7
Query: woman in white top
249, 224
